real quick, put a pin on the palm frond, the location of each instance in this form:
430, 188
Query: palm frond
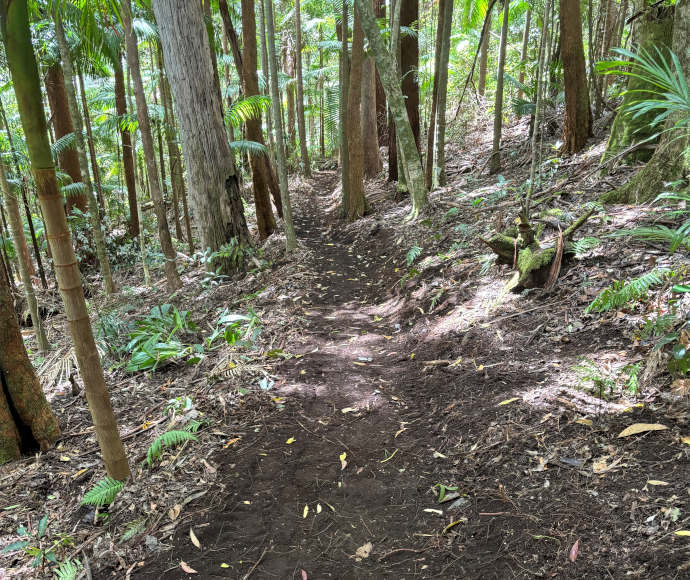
252, 148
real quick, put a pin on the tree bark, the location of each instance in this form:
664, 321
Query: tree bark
484, 56
395, 52
271, 57
304, 153
23, 406
381, 109
212, 178
23, 258
289, 68
440, 157
250, 87
356, 203
387, 71
523, 53
431, 136
370, 140
172, 277
94, 215
14, 22
102, 201
409, 65
127, 159
344, 92
577, 126
495, 163
62, 124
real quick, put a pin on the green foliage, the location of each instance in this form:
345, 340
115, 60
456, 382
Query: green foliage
236, 329
67, 570
621, 293
165, 441
36, 544
246, 109
103, 493
413, 253
584, 245
133, 529
675, 238
154, 338
253, 148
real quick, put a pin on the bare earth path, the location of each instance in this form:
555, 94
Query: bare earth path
341, 482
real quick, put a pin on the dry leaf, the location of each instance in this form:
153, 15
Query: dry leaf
348, 410
174, 511
574, 551
587, 422
363, 551
657, 482
686, 440
343, 463
224, 565
682, 533
508, 401
291, 441
304, 574
195, 540
187, 568
641, 428
681, 387
305, 512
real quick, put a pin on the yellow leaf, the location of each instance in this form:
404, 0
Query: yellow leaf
412, 355
390, 456
318, 508
79, 473
387, 337
377, 318
303, 372
686, 440
174, 511
195, 540
682, 533
247, 502
641, 428
451, 525
231, 442
305, 512
359, 364
363, 551
480, 368
343, 463
291, 441
224, 565
587, 422
508, 401
657, 482
231, 365
65, 458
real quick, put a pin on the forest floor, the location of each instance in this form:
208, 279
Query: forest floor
414, 419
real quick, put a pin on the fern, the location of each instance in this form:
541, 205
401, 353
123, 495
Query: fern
67, 570
659, 233
166, 440
246, 109
254, 148
103, 493
620, 293
585, 245
76, 188
413, 253
133, 528
194, 426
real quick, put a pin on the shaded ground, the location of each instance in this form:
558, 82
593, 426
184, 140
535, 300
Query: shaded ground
379, 410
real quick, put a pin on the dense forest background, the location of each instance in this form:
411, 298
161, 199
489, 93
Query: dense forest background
353, 288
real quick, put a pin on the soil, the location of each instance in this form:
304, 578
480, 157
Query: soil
343, 480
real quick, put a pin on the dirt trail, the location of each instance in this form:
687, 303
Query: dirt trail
368, 431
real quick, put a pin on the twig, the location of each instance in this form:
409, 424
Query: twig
248, 574
400, 550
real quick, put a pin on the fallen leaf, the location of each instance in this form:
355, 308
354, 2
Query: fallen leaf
174, 511
65, 458
686, 440
291, 441
363, 551
508, 401
682, 533
348, 410
195, 540
304, 574
657, 482
318, 508
359, 364
187, 568
574, 551
681, 387
343, 463
224, 565
451, 525
587, 422
433, 511
438, 455
641, 428
305, 512
231, 442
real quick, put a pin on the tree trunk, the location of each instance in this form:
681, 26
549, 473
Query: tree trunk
381, 110
344, 92
387, 70
289, 68
523, 54
356, 203
26, 419
250, 87
671, 160
395, 52
175, 163
370, 140
440, 157
409, 64
127, 159
169, 253
212, 178
94, 213
654, 31
271, 57
577, 126
62, 124
102, 201
23, 258
304, 153
495, 164
431, 133
14, 21
484, 56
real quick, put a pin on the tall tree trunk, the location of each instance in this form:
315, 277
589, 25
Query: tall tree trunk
290, 239
344, 92
387, 70
671, 160
176, 178
250, 87
381, 109
370, 139
22, 258
356, 202
484, 56
495, 163
289, 68
94, 213
231, 35
523, 53
127, 159
172, 277
577, 126
440, 157
431, 136
395, 52
212, 178
62, 124
102, 202
22, 402
409, 65
14, 21
304, 152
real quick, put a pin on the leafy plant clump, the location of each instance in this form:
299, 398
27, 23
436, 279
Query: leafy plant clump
35, 542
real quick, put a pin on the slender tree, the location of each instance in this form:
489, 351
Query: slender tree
429, 165
356, 202
444, 57
290, 238
370, 139
14, 22
523, 53
344, 92
172, 277
409, 64
212, 177
484, 55
495, 163
304, 153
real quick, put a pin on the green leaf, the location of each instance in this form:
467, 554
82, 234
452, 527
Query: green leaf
104, 492
20, 545
42, 526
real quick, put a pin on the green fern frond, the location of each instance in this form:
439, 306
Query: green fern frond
244, 146
133, 528
194, 426
413, 253
620, 293
64, 143
103, 493
585, 245
67, 570
246, 109
660, 233
165, 441
70, 189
